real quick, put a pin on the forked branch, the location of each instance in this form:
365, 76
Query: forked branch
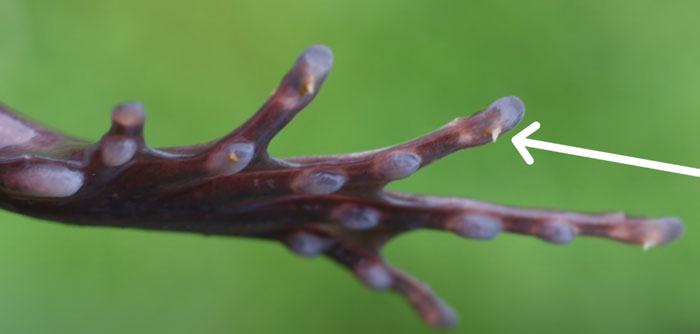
333, 205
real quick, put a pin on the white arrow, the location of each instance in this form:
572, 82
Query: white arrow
522, 142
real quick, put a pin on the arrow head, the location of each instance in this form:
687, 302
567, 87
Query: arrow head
520, 142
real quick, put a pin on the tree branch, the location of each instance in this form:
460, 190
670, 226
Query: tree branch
333, 205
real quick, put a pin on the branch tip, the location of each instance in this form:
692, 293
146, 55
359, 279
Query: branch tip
511, 110
662, 231
129, 115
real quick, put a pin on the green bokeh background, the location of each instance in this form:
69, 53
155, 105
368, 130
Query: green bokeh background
617, 76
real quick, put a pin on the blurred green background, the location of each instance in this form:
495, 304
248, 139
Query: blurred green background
617, 76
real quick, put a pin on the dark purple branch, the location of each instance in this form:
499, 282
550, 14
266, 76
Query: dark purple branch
333, 205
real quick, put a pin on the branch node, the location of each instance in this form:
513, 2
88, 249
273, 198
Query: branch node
398, 165
556, 232
307, 244
43, 180
374, 275
116, 151
356, 217
476, 226
318, 182
231, 158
